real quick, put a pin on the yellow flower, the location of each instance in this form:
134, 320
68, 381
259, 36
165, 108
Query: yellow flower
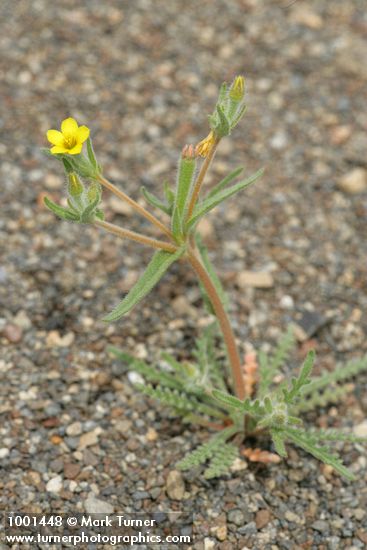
237, 90
204, 146
71, 138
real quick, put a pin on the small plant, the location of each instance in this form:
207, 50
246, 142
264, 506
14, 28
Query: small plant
238, 400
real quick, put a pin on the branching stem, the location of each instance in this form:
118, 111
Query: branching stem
132, 235
136, 206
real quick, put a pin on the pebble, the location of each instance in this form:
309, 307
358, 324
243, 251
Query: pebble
354, 181
54, 485
88, 439
304, 15
236, 516
94, 505
175, 485
321, 526
256, 279
74, 429
4, 452
54, 339
22, 320
13, 333
262, 518
361, 429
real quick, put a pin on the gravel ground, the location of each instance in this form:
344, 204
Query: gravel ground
143, 75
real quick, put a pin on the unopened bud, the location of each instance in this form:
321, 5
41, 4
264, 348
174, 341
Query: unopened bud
75, 186
188, 152
237, 89
94, 192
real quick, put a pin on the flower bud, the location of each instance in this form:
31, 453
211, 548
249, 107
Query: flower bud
75, 186
237, 89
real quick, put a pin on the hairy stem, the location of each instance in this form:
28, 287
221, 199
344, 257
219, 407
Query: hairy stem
142, 239
228, 336
136, 206
200, 178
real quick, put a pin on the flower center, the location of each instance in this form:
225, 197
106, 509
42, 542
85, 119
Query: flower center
70, 142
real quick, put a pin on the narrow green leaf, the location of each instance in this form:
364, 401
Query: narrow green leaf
60, 211
155, 201
208, 204
224, 182
153, 273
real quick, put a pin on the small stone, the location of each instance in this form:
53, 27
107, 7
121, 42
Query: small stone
53, 182
308, 325
354, 181
256, 279
54, 485
4, 452
71, 470
95, 506
22, 320
221, 532
88, 439
361, 429
236, 516
262, 518
321, 526
291, 516
13, 333
175, 485
120, 207
209, 544
74, 429
303, 15
286, 302
182, 306
54, 339
151, 435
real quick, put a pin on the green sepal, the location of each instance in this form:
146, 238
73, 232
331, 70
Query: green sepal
223, 127
154, 201
67, 166
208, 204
60, 211
157, 267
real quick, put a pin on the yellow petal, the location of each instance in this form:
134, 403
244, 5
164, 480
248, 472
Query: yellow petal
83, 134
75, 150
55, 137
58, 149
69, 127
